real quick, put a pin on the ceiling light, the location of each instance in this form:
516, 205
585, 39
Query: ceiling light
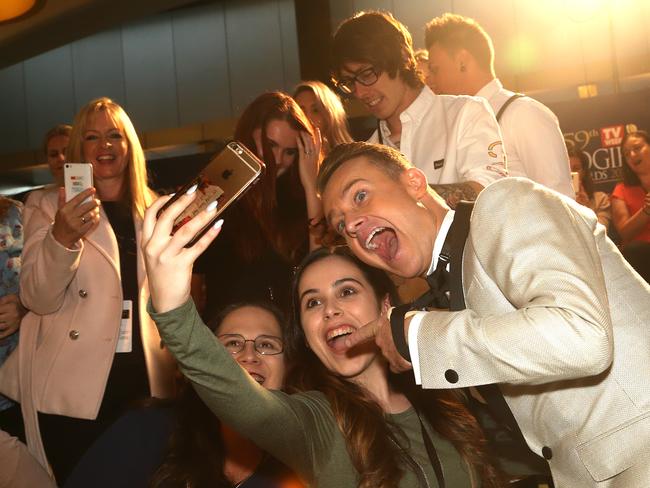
10, 9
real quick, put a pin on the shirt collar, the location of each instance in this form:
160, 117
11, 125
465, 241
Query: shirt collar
440, 239
491, 89
415, 112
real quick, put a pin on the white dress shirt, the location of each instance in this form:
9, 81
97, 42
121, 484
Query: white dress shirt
533, 140
450, 138
416, 318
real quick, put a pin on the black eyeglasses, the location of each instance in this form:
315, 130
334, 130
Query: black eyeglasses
264, 344
366, 77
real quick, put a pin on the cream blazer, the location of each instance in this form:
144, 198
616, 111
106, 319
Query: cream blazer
561, 322
68, 339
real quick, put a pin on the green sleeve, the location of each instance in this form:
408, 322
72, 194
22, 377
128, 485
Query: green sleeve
298, 430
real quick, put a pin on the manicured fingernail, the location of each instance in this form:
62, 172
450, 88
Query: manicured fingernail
212, 206
171, 194
192, 189
218, 224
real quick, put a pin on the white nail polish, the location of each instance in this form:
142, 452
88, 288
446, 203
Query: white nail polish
212, 206
192, 189
218, 224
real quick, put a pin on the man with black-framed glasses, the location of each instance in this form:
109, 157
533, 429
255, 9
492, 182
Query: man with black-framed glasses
456, 141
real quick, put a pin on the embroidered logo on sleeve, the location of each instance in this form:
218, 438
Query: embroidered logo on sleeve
492, 147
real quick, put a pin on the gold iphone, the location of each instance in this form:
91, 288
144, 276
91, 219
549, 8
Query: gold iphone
225, 178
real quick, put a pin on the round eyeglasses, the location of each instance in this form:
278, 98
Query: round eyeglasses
264, 344
366, 77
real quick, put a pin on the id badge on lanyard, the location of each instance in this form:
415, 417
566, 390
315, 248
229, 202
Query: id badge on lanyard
125, 339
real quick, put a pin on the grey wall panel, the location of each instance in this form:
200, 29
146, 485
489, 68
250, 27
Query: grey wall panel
98, 67
203, 82
375, 5
340, 10
415, 14
48, 92
13, 123
254, 50
150, 75
289, 33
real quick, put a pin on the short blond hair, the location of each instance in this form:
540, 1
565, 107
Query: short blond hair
453, 32
139, 196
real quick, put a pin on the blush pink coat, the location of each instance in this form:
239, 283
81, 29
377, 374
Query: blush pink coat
68, 339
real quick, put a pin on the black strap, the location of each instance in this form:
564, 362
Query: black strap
508, 102
453, 247
432, 453
397, 330
379, 135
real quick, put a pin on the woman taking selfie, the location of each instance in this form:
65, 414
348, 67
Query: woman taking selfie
88, 348
351, 425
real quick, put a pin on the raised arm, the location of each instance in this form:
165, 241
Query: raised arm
276, 422
629, 225
53, 247
480, 156
309, 159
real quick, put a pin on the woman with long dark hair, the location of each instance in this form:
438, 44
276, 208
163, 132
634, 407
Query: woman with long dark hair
277, 221
348, 423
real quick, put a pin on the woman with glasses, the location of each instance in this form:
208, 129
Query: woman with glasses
349, 424
87, 348
325, 111
184, 444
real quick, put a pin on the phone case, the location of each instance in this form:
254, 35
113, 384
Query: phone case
225, 178
77, 178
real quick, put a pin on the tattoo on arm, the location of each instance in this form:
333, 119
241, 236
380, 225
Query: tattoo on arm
455, 192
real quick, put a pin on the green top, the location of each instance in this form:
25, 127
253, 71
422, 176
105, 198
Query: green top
300, 429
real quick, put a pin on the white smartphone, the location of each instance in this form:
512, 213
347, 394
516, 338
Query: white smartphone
78, 177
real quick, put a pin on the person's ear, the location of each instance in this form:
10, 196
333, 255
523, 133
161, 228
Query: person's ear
385, 304
463, 59
415, 182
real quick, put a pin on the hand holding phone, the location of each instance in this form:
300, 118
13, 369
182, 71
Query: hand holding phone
168, 258
77, 178
225, 179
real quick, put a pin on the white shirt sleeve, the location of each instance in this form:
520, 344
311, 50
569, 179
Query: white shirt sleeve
480, 155
414, 328
533, 132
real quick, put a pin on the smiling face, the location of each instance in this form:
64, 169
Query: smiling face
56, 147
252, 322
105, 146
380, 217
636, 151
313, 108
387, 98
335, 300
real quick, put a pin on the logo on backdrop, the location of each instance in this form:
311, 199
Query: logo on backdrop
602, 146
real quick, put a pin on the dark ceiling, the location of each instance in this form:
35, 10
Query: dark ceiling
57, 22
